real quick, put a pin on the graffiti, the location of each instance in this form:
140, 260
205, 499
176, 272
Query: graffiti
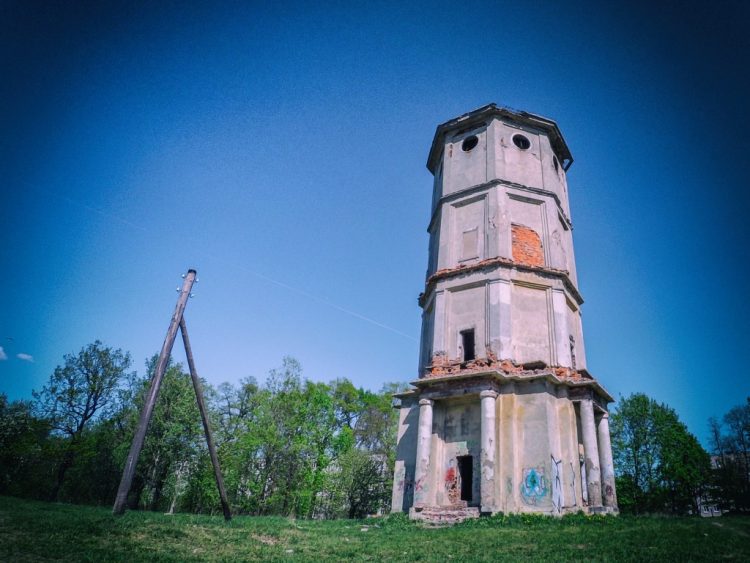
534, 485
573, 484
399, 477
509, 486
420, 485
404, 479
584, 487
557, 479
452, 485
708, 510
557, 484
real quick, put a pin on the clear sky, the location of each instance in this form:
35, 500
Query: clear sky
280, 150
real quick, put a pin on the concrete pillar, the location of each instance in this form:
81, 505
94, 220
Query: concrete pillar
507, 485
487, 454
493, 316
424, 442
591, 453
609, 495
506, 335
438, 338
561, 351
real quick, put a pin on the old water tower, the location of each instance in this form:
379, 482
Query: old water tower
504, 415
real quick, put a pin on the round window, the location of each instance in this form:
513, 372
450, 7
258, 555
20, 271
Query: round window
521, 142
469, 143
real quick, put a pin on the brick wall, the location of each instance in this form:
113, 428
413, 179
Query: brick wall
527, 246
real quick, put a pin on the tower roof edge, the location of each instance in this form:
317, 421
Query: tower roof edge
493, 110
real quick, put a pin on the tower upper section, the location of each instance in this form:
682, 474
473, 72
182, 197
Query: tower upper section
490, 148
493, 143
501, 275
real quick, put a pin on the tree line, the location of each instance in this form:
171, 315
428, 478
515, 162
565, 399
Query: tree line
290, 446
661, 467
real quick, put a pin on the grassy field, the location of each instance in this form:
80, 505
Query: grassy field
36, 531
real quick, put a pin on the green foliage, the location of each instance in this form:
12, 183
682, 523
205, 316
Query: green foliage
174, 439
288, 447
294, 447
660, 465
81, 391
84, 387
358, 485
23, 448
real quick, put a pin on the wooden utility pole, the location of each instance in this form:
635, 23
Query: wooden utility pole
153, 392
204, 416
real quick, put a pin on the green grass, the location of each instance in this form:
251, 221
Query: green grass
36, 531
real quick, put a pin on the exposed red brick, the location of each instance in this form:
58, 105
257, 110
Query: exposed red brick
527, 246
489, 263
442, 366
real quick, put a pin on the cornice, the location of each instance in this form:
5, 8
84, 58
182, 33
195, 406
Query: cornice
491, 184
500, 377
491, 111
499, 262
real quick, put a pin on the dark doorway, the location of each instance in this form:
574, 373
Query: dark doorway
466, 471
467, 342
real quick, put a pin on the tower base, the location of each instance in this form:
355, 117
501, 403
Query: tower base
489, 442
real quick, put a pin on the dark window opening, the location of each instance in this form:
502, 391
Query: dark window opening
469, 143
521, 142
466, 471
467, 343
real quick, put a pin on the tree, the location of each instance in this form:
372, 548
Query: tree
84, 388
174, 438
292, 446
730, 440
23, 441
660, 465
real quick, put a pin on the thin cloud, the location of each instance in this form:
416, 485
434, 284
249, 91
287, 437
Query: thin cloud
3, 355
25, 357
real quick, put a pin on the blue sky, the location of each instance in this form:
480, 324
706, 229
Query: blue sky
280, 151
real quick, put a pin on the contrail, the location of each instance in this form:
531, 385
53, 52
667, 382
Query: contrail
97, 210
262, 276
330, 304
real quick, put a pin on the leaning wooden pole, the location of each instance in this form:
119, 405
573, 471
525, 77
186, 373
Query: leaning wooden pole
153, 392
204, 418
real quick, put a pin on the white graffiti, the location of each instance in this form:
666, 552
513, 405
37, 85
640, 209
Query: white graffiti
584, 487
557, 485
573, 484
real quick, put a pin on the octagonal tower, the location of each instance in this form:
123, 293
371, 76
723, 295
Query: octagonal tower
504, 415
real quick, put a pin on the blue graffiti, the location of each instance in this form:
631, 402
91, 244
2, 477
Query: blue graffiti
534, 485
